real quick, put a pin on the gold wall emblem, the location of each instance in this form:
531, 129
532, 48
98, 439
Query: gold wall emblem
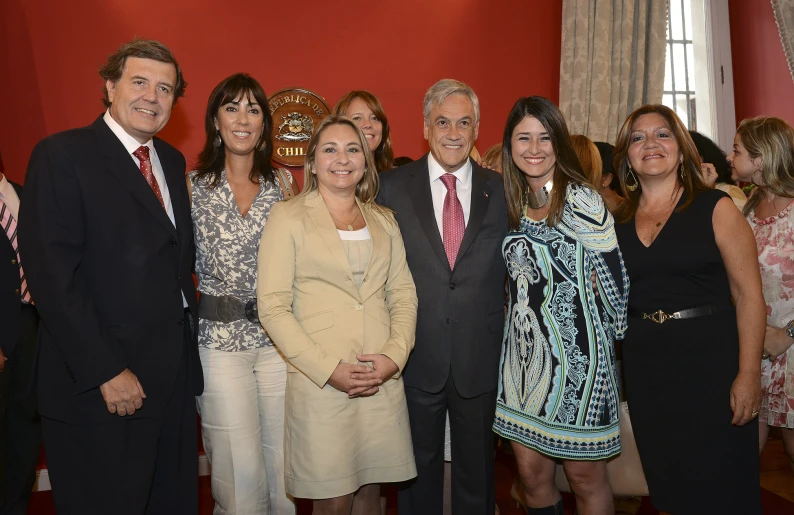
295, 113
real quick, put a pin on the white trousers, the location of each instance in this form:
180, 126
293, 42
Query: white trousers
242, 426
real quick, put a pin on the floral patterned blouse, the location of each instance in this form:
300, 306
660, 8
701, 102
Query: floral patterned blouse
226, 249
774, 238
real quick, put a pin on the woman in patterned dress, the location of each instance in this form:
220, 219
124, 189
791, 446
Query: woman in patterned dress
242, 407
558, 391
763, 153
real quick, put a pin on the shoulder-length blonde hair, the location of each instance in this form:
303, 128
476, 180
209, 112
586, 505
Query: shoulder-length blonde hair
367, 188
383, 155
690, 166
771, 139
567, 170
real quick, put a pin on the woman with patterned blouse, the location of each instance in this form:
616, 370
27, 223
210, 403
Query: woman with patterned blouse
558, 390
242, 407
763, 153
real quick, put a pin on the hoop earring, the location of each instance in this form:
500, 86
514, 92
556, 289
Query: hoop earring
635, 184
217, 141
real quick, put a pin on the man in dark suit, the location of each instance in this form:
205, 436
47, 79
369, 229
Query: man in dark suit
453, 219
107, 241
20, 427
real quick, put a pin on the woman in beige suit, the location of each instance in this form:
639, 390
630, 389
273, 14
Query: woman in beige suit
336, 296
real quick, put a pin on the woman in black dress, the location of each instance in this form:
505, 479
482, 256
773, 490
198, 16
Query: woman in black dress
691, 359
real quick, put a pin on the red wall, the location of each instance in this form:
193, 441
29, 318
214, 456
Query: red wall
761, 79
50, 52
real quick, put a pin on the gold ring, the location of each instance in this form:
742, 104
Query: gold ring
754, 413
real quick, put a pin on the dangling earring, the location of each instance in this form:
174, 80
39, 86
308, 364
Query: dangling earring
635, 183
217, 141
681, 170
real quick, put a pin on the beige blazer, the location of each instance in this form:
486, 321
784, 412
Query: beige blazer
308, 301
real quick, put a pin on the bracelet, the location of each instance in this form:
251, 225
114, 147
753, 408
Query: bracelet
789, 328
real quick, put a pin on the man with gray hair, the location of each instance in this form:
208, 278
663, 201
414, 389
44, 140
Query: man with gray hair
453, 218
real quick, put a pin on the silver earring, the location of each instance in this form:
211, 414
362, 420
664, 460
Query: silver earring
681, 170
217, 141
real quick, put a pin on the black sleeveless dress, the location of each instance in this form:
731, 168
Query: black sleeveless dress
678, 374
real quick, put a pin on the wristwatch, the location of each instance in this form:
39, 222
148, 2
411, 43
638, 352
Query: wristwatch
790, 329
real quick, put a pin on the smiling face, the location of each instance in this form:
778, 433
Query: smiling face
743, 167
240, 123
358, 111
653, 149
451, 131
339, 161
142, 99
533, 152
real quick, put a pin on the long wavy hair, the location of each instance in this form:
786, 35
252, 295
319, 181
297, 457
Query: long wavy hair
383, 155
567, 169
691, 181
771, 139
212, 160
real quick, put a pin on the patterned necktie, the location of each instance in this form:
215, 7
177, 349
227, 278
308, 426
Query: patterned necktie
146, 169
453, 222
9, 225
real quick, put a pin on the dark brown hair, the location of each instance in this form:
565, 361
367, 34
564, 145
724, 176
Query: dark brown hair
211, 159
566, 170
113, 68
690, 166
383, 155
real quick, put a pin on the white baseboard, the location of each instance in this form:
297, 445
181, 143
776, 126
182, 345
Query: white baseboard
43, 476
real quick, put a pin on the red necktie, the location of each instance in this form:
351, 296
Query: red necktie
453, 222
9, 225
146, 169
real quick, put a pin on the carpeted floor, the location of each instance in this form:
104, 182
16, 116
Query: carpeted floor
775, 475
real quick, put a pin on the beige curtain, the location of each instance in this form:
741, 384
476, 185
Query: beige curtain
784, 16
612, 62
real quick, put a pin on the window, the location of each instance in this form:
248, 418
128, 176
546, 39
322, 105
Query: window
698, 82
679, 75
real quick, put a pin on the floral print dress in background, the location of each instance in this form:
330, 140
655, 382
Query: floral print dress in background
774, 238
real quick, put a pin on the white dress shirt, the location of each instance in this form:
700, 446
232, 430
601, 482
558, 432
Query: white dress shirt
131, 144
9, 197
439, 191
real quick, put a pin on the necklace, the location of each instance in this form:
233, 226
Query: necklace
537, 199
350, 225
658, 223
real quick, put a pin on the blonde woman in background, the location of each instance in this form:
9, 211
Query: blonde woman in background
763, 153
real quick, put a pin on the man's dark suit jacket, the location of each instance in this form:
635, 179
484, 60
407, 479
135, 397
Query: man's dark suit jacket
107, 270
10, 299
461, 311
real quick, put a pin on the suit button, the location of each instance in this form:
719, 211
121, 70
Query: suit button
13, 261
173, 242
447, 320
17, 291
181, 321
451, 286
358, 307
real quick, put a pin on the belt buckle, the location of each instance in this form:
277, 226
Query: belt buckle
659, 317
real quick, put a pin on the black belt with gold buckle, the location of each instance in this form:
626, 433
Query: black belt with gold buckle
661, 317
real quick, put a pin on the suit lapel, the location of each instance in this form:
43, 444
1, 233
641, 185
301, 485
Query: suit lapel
480, 197
419, 192
175, 179
121, 165
319, 214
